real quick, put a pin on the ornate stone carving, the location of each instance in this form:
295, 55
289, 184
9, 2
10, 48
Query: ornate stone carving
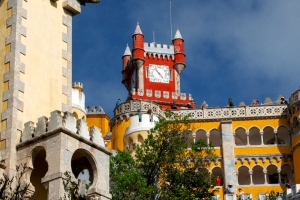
179, 67
157, 94
149, 93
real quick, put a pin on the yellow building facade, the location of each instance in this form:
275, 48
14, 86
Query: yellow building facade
256, 146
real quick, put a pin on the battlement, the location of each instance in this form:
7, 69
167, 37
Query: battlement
78, 99
76, 128
94, 110
77, 85
158, 48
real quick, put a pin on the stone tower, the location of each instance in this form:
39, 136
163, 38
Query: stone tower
35, 80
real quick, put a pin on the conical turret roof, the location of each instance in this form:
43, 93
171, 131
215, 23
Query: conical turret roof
177, 35
138, 29
127, 51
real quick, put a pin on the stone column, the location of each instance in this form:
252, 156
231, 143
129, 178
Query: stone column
262, 137
194, 137
207, 137
251, 179
140, 77
228, 154
279, 175
265, 176
247, 134
275, 136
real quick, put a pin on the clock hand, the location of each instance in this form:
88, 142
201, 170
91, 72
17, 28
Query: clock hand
159, 73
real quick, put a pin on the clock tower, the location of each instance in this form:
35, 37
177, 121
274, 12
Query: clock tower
152, 71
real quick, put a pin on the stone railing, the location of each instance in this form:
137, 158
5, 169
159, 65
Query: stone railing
236, 112
204, 113
66, 121
134, 105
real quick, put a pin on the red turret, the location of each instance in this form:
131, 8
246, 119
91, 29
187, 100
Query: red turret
138, 47
125, 59
179, 57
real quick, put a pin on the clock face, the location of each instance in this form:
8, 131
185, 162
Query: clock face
159, 73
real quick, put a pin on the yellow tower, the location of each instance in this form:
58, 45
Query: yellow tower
35, 65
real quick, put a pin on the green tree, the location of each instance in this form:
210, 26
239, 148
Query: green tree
162, 167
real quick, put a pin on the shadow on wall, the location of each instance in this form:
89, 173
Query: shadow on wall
40, 168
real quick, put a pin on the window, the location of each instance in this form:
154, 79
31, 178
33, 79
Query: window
171, 75
147, 72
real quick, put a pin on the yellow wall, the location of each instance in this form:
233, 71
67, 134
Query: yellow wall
118, 131
43, 60
260, 123
4, 49
296, 160
99, 120
207, 126
262, 150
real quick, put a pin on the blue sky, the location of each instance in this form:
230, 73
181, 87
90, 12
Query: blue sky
243, 49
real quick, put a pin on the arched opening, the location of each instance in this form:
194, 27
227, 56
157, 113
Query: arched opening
269, 136
201, 134
218, 173
254, 136
140, 139
283, 136
244, 176
215, 138
272, 174
240, 137
40, 168
83, 166
258, 175
286, 173
130, 144
75, 115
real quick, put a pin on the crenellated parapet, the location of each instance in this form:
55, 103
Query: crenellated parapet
94, 110
77, 85
66, 122
161, 51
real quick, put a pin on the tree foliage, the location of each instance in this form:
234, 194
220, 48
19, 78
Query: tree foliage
14, 190
162, 167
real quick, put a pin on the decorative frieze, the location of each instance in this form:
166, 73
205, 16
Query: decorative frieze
210, 113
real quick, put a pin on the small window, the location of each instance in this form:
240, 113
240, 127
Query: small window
171, 75
147, 72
